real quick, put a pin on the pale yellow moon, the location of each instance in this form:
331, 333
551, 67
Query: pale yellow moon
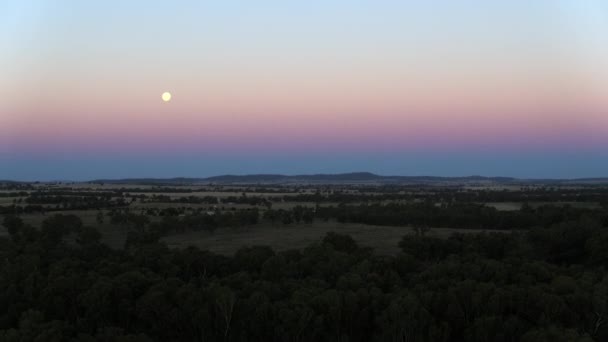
166, 96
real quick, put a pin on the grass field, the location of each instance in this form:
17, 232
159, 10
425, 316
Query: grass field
112, 235
509, 206
383, 239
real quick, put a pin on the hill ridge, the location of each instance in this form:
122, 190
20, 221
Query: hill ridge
349, 178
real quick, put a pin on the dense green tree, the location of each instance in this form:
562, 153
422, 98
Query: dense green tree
60, 283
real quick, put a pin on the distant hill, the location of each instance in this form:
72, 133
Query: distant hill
350, 178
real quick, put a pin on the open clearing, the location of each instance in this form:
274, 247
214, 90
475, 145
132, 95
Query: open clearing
510, 206
383, 239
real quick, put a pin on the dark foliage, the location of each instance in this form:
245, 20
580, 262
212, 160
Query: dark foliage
59, 283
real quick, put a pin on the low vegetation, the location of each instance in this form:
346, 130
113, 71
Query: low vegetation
275, 270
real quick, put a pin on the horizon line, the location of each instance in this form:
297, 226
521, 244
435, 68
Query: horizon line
201, 178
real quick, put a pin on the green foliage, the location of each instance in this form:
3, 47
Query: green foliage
456, 215
339, 242
60, 283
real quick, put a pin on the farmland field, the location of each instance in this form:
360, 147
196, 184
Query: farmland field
383, 239
285, 252
278, 231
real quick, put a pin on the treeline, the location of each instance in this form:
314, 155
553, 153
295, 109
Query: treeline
79, 193
297, 214
16, 186
458, 194
60, 283
554, 195
243, 199
60, 204
19, 209
458, 215
412, 195
254, 189
430, 194
171, 222
76, 202
14, 194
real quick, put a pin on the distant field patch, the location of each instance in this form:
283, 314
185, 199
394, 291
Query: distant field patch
509, 206
383, 239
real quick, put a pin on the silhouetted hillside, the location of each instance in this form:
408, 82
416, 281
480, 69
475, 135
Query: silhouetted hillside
350, 178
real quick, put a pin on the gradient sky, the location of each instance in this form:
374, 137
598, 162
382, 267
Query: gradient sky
450, 88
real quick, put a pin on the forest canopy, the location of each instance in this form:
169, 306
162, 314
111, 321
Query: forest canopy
59, 283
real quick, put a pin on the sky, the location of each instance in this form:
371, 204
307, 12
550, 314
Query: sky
447, 88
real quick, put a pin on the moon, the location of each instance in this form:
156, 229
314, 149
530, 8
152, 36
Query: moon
166, 96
